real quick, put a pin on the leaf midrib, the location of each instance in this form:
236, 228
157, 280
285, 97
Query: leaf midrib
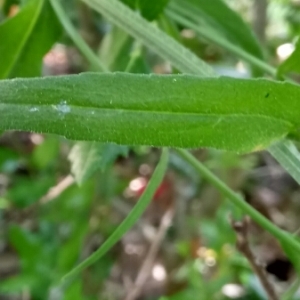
164, 112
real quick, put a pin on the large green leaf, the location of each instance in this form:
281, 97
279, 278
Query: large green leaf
172, 110
86, 158
216, 17
27, 37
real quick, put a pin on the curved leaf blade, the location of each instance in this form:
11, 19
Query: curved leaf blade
21, 55
131, 218
216, 17
151, 36
240, 115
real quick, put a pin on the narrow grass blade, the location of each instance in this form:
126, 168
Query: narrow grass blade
151, 36
130, 220
282, 236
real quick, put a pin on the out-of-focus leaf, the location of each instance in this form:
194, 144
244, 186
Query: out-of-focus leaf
240, 115
150, 9
26, 191
115, 49
86, 158
292, 63
292, 254
217, 18
8, 4
74, 292
131, 3
92, 58
9, 160
27, 37
15, 284
46, 152
288, 156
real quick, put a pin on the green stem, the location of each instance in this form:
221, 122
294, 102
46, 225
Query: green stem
238, 201
92, 58
131, 218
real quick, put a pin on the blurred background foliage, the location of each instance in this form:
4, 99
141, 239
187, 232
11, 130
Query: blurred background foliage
49, 223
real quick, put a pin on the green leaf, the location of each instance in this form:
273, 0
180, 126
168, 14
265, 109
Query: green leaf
27, 37
150, 9
218, 19
115, 49
288, 156
172, 52
210, 34
292, 63
92, 58
149, 35
131, 3
240, 115
131, 218
292, 253
7, 5
87, 158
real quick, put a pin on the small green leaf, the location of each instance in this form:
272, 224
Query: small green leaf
131, 218
27, 37
292, 63
240, 115
87, 158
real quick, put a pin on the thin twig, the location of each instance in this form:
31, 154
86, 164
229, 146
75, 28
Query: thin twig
241, 229
146, 267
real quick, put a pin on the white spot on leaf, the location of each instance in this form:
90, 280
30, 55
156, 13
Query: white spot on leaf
62, 107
